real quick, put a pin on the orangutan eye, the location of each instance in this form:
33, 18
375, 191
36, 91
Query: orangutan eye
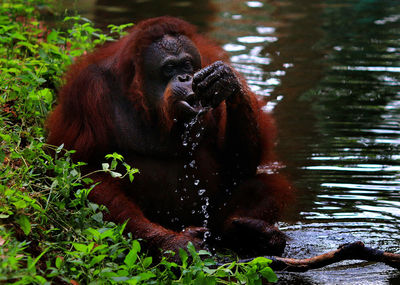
168, 70
187, 66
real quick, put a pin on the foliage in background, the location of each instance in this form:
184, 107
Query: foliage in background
49, 231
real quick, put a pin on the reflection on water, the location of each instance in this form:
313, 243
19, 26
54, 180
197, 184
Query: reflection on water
331, 71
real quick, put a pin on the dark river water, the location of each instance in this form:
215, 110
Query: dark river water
331, 73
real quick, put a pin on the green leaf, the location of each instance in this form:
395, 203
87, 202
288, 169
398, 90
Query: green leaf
90, 246
147, 261
184, 257
58, 262
58, 150
18, 36
119, 278
115, 174
131, 257
23, 221
192, 250
41, 279
204, 252
115, 156
262, 261
52, 36
98, 217
20, 204
80, 247
74, 173
268, 274
100, 248
46, 95
87, 180
107, 233
133, 281
136, 246
114, 164
146, 276
97, 259
131, 177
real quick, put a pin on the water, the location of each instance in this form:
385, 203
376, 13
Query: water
331, 71
191, 137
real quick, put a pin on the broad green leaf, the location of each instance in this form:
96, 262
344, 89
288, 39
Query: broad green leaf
80, 247
136, 245
268, 274
130, 258
184, 257
97, 259
25, 224
263, 261
20, 204
146, 276
147, 261
58, 262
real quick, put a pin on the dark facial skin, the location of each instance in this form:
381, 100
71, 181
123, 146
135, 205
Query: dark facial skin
171, 62
174, 62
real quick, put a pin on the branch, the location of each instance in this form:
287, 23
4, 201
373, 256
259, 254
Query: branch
355, 250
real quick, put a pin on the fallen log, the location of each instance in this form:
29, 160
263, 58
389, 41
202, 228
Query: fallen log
356, 250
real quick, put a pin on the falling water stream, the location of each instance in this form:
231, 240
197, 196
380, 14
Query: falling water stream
330, 70
191, 137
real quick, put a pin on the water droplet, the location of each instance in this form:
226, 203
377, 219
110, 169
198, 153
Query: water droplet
201, 191
193, 212
196, 182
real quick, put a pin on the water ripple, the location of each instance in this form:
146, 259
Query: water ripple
368, 187
356, 168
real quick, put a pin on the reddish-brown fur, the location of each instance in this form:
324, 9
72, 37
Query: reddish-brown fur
238, 138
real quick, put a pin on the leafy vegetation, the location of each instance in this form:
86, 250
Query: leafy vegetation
49, 231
